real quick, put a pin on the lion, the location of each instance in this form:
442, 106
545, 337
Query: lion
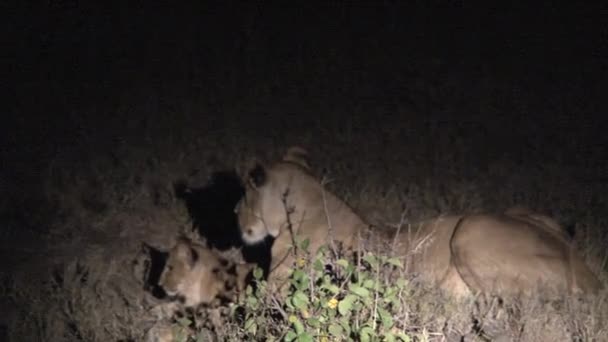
197, 275
517, 252
285, 199
514, 252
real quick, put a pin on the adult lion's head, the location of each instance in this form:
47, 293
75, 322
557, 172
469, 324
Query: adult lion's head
271, 192
286, 201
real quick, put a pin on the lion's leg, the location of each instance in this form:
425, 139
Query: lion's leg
278, 279
505, 257
453, 283
582, 279
280, 266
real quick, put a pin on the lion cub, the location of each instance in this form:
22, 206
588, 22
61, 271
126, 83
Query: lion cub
196, 274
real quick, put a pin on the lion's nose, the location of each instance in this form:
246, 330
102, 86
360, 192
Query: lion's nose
249, 231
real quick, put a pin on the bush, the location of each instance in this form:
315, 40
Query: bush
328, 299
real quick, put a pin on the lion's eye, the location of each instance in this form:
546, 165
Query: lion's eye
215, 270
249, 231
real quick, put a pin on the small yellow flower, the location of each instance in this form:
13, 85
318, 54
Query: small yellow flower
301, 262
305, 313
293, 319
324, 339
333, 303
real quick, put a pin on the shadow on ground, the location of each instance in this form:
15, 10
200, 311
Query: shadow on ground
211, 208
157, 264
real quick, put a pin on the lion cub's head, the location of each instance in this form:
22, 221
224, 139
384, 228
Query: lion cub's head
263, 209
196, 274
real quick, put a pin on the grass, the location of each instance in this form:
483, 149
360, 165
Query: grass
80, 276
399, 140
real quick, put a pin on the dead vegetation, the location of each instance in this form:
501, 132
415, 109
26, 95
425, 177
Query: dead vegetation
95, 166
83, 275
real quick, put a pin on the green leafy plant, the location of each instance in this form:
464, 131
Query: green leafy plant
331, 300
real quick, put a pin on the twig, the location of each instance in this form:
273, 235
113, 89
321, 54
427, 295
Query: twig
376, 297
288, 212
324, 181
277, 305
401, 222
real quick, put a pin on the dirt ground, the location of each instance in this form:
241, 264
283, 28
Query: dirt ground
406, 121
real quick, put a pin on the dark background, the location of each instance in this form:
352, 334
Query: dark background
412, 110
520, 81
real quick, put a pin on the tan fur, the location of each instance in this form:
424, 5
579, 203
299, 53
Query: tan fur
297, 155
160, 332
534, 218
195, 273
503, 254
291, 200
516, 252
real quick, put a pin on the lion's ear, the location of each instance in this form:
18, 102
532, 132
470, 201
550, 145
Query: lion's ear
297, 155
257, 176
187, 254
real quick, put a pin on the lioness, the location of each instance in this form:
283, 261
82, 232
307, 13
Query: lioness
196, 274
506, 254
503, 254
285, 199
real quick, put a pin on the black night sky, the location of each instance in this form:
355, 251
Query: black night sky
107, 104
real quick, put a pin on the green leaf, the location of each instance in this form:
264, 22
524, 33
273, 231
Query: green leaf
252, 302
403, 337
258, 273
386, 318
346, 304
342, 262
358, 290
251, 326
389, 337
184, 322
331, 288
314, 322
401, 283
290, 336
305, 337
304, 245
179, 333
297, 274
335, 330
369, 283
366, 333
345, 324
318, 265
395, 262
299, 300
389, 294
200, 337
321, 251
371, 260
297, 324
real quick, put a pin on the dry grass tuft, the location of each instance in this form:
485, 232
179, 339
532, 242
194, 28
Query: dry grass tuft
74, 264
